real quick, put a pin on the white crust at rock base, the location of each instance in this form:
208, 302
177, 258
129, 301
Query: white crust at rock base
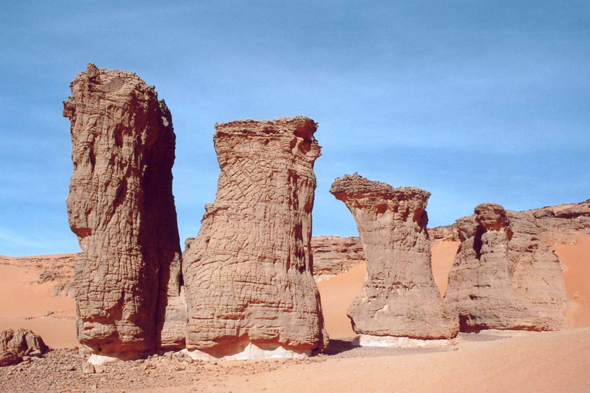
365, 340
252, 351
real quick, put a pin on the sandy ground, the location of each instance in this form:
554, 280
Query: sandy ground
538, 362
25, 304
337, 294
577, 279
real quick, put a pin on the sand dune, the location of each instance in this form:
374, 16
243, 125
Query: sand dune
25, 304
443, 256
337, 294
577, 279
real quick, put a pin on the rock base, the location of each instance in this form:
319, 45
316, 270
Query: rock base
251, 351
365, 340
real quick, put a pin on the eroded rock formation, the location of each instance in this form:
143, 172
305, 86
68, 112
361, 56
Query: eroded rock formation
333, 255
504, 275
248, 273
399, 297
15, 345
121, 208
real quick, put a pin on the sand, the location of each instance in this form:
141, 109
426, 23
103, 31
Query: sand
577, 279
443, 256
25, 304
337, 294
537, 362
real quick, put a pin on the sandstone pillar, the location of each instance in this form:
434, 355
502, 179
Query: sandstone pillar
121, 207
504, 276
248, 273
399, 297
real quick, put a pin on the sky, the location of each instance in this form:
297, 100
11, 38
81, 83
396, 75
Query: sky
473, 101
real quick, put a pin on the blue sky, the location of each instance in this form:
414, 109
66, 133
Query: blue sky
473, 101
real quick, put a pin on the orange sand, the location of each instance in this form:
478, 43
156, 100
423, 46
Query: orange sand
337, 294
537, 362
24, 303
443, 255
577, 279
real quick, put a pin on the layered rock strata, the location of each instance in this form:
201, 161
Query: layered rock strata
121, 207
399, 297
333, 255
248, 273
504, 275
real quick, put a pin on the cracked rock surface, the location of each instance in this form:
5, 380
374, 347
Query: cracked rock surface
121, 207
399, 296
505, 276
248, 273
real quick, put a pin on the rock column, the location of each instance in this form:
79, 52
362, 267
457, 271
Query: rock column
248, 273
399, 297
121, 207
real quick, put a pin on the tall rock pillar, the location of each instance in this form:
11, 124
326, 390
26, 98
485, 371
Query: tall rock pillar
399, 297
121, 207
248, 273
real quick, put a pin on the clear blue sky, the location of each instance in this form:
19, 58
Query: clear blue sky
472, 101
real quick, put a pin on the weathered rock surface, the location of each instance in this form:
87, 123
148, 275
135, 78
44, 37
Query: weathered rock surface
248, 273
121, 208
15, 345
505, 276
333, 255
399, 296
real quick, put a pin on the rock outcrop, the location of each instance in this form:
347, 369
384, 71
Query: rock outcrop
399, 297
121, 207
15, 345
333, 255
504, 275
248, 274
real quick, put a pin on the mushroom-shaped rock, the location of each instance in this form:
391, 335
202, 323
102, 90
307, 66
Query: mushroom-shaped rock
121, 207
248, 273
399, 296
504, 276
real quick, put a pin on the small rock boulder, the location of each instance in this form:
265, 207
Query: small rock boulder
15, 345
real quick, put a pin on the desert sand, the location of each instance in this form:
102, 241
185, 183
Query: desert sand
26, 304
489, 361
577, 279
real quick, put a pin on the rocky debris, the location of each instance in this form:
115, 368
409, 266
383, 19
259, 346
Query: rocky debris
16, 345
505, 276
248, 274
121, 207
399, 296
64, 370
333, 255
